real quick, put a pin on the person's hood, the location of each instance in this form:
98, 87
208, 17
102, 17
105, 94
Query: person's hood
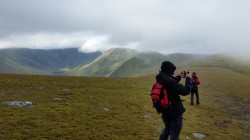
168, 67
165, 78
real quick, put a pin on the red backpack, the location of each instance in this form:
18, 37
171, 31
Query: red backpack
196, 81
160, 98
195, 78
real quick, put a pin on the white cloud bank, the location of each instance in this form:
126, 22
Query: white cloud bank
166, 26
84, 42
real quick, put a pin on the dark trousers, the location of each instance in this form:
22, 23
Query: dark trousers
195, 91
172, 128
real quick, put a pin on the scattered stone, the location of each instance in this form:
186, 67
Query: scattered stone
199, 135
58, 99
40, 88
66, 90
28, 103
146, 107
187, 138
106, 109
18, 103
147, 116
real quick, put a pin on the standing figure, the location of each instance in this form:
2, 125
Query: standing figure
173, 119
194, 90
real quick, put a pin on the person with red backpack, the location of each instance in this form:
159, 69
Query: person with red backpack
173, 116
194, 90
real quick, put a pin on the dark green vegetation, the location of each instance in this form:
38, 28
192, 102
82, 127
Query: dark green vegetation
35, 61
114, 108
116, 62
107, 63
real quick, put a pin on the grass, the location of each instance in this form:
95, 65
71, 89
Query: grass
225, 100
114, 108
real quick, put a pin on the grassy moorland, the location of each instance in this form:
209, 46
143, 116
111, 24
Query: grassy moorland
115, 108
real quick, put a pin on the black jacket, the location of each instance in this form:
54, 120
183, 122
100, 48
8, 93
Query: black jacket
174, 89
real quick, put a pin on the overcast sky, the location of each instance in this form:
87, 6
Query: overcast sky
166, 26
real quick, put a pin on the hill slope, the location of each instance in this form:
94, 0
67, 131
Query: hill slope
223, 61
116, 62
120, 108
105, 64
144, 63
140, 64
36, 61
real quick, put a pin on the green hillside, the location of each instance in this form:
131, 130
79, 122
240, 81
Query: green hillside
140, 64
223, 61
146, 63
9, 65
116, 62
37, 61
120, 108
105, 64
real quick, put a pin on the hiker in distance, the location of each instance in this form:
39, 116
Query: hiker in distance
173, 117
194, 90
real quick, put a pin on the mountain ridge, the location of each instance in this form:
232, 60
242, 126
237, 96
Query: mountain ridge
38, 61
115, 62
106, 63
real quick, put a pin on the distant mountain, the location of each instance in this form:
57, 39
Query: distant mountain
37, 61
150, 62
140, 64
223, 61
116, 62
105, 64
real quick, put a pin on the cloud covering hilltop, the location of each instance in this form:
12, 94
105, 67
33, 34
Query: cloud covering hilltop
207, 26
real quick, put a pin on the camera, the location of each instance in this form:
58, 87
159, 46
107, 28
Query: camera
184, 73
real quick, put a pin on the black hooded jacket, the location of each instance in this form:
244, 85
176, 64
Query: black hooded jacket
174, 89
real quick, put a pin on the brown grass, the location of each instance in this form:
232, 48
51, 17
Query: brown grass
83, 112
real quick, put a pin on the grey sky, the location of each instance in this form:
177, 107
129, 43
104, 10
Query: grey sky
166, 26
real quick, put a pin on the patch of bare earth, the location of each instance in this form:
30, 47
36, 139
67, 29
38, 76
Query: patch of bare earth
238, 108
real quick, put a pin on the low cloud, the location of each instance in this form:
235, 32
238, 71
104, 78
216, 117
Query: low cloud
85, 42
102, 44
44, 40
207, 26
